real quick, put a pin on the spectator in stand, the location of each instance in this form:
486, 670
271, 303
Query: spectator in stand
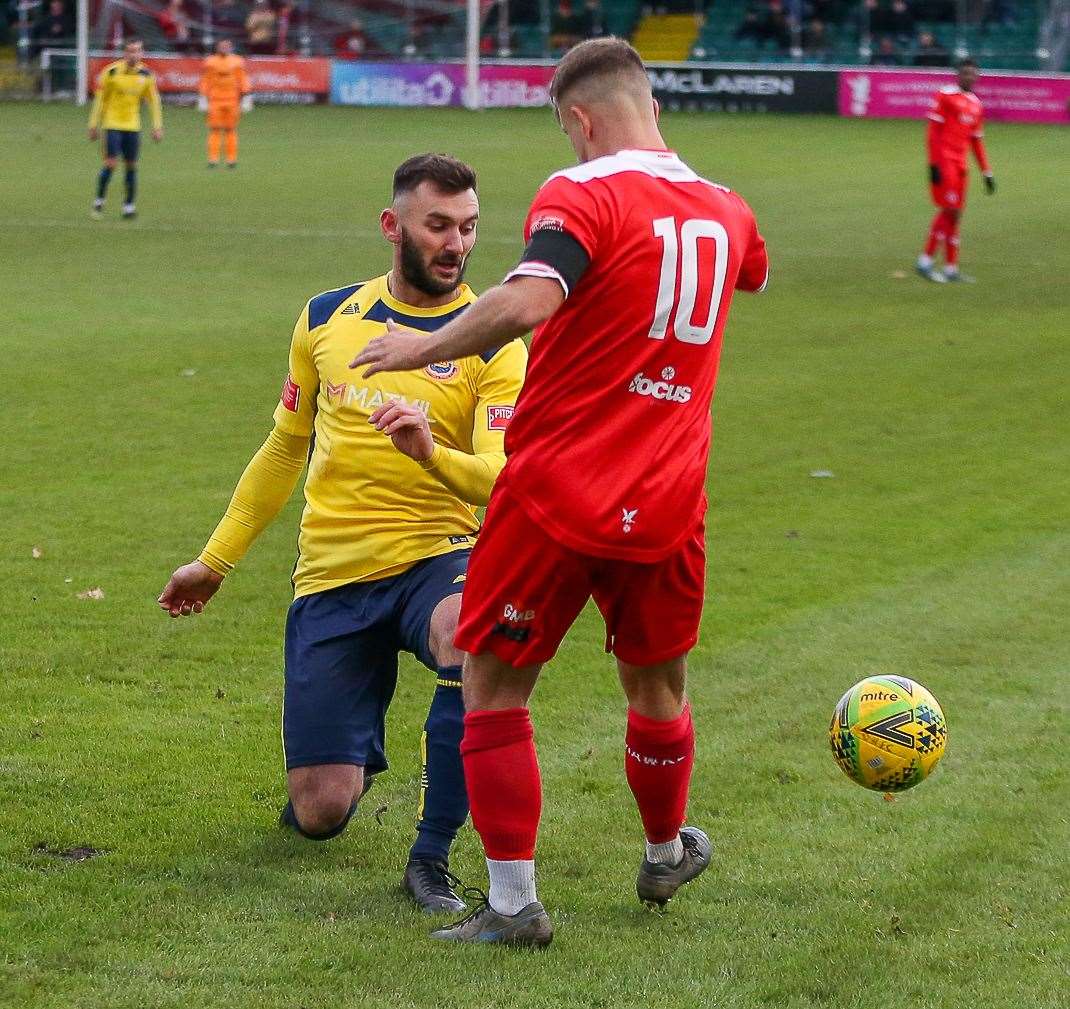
260, 28
594, 24
174, 22
815, 41
894, 19
887, 54
1000, 13
285, 19
766, 23
929, 52
54, 27
567, 26
351, 44
901, 20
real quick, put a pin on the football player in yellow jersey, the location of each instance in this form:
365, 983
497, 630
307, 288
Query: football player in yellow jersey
121, 88
396, 471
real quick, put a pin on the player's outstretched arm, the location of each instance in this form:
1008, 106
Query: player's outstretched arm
264, 487
504, 313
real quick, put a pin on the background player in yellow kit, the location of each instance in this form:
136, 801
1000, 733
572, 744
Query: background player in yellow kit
121, 88
388, 522
224, 95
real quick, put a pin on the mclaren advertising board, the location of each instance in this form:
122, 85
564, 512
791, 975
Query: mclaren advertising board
700, 87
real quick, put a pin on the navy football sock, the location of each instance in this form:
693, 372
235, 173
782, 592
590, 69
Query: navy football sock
102, 182
443, 799
131, 184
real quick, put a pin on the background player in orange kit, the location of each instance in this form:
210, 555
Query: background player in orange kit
956, 122
224, 96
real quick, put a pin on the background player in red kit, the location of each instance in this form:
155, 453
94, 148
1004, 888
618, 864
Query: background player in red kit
628, 274
956, 122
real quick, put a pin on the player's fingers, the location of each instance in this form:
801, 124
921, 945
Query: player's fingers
401, 424
198, 607
373, 370
369, 354
385, 414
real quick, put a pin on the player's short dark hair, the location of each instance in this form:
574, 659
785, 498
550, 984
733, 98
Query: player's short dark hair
446, 174
594, 58
969, 61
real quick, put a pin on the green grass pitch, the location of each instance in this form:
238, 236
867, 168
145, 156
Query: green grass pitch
141, 364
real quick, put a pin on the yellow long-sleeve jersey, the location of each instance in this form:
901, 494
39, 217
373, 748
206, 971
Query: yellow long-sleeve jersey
119, 94
370, 511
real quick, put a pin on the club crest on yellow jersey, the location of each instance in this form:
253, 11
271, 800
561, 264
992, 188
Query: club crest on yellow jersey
442, 370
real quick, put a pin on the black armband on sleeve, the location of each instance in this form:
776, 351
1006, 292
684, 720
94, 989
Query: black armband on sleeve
556, 255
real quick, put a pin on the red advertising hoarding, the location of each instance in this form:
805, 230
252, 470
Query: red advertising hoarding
1015, 98
273, 78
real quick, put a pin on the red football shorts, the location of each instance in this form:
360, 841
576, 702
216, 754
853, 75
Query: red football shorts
950, 194
524, 591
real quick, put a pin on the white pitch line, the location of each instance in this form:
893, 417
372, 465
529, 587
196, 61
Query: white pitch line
192, 229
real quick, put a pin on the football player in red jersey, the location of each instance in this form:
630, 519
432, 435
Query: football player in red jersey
956, 122
627, 278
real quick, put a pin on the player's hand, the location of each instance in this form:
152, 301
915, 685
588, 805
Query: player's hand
190, 587
990, 184
397, 350
202, 103
407, 427
247, 103
94, 133
157, 135
934, 174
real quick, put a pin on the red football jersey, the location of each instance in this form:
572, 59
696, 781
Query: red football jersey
609, 442
959, 119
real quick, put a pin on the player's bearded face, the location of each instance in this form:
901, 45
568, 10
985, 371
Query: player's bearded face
430, 267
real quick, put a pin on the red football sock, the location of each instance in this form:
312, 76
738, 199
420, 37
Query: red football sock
501, 771
952, 242
936, 233
658, 761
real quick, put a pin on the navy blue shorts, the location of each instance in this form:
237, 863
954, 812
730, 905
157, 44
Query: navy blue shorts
342, 660
123, 144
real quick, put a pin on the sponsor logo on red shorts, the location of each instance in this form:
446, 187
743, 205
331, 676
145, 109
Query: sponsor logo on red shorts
291, 394
514, 624
498, 417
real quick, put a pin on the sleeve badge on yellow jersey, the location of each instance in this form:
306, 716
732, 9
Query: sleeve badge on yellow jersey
498, 417
291, 394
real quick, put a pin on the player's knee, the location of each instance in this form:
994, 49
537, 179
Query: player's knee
442, 630
323, 814
322, 800
110, 162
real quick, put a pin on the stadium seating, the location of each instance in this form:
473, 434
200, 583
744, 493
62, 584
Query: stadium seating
1005, 37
